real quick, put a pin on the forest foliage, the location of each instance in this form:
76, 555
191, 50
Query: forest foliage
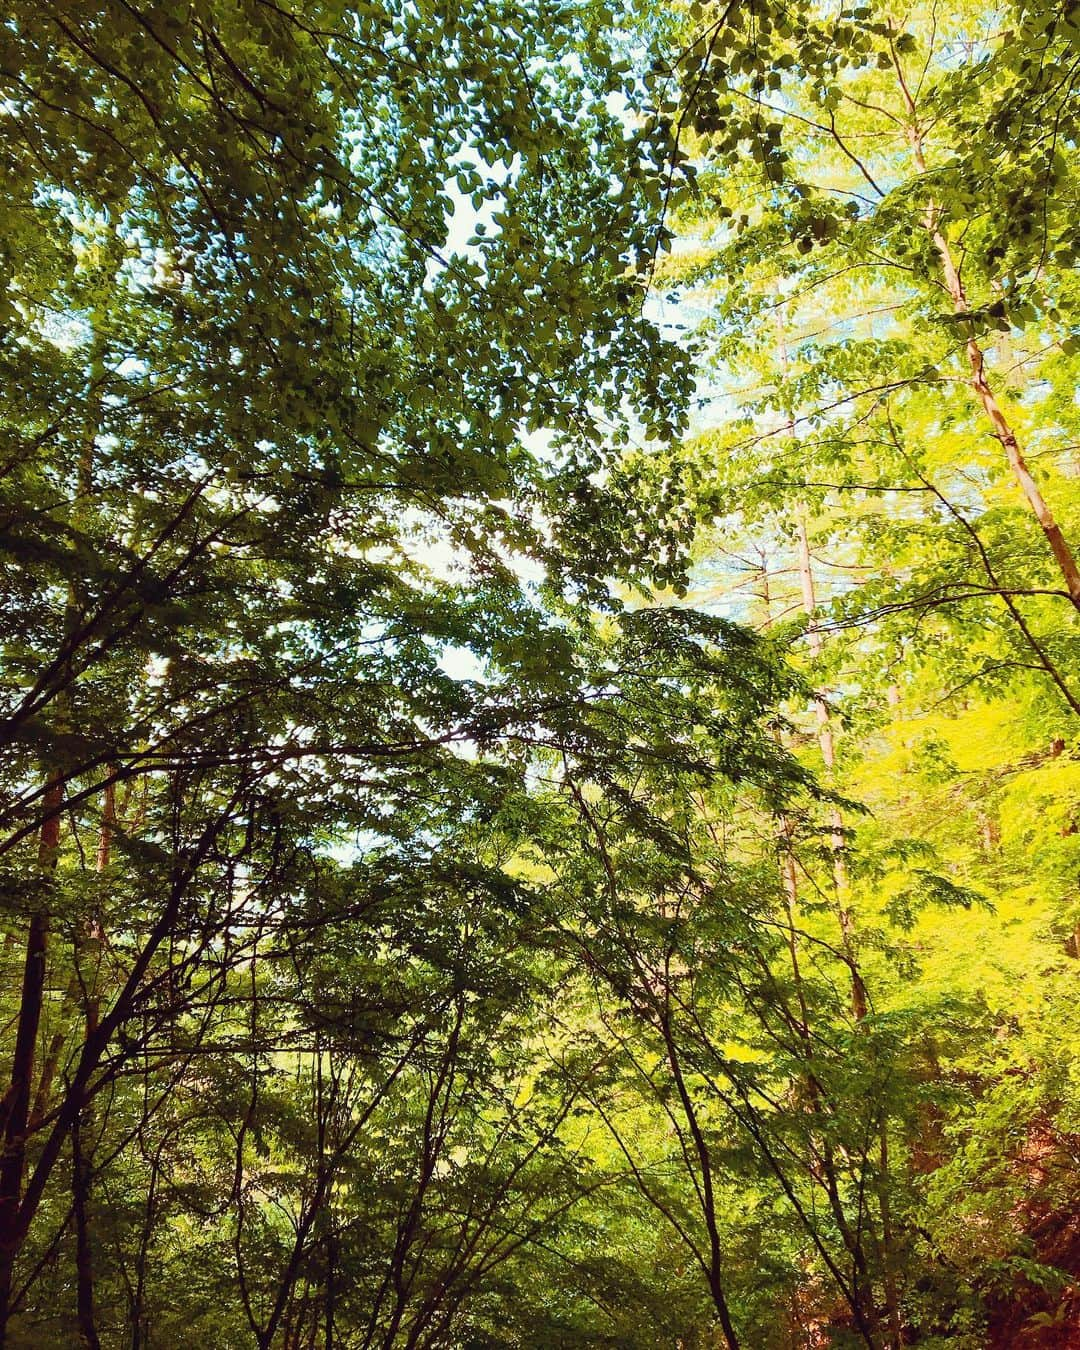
540, 553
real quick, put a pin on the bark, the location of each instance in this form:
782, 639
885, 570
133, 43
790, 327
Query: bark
82, 1163
790, 880
82, 985
330, 1294
828, 755
892, 1290
861, 1301
825, 735
708, 1204
979, 382
139, 1322
84, 1265
15, 1109
847, 933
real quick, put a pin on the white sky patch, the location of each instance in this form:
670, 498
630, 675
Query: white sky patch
429, 543
461, 664
466, 222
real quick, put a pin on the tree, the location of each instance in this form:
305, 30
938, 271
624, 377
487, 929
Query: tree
252, 381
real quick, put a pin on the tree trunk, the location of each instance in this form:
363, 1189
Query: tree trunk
15, 1109
828, 755
825, 735
84, 1265
999, 423
84, 976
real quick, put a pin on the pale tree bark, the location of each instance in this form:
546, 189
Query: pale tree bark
828, 755
790, 879
821, 710
979, 382
859, 1005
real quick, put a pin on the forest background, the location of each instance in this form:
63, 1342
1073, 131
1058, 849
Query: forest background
539, 801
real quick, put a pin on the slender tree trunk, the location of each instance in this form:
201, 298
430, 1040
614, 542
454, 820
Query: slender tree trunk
1063, 554
863, 1302
859, 1006
82, 986
828, 755
847, 932
82, 1163
330, 1303
825, 735
16, 1108
999, 423
790, 879
16, 1105
708, 1202
138, 1317
892, 1291
84, 1266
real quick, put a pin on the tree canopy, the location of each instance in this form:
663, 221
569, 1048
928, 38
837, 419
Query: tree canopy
538, 665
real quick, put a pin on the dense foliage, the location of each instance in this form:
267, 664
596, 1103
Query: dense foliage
539, 648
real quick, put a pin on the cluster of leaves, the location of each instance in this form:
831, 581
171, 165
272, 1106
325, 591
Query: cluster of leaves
885, 311
415, 934
310, 498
